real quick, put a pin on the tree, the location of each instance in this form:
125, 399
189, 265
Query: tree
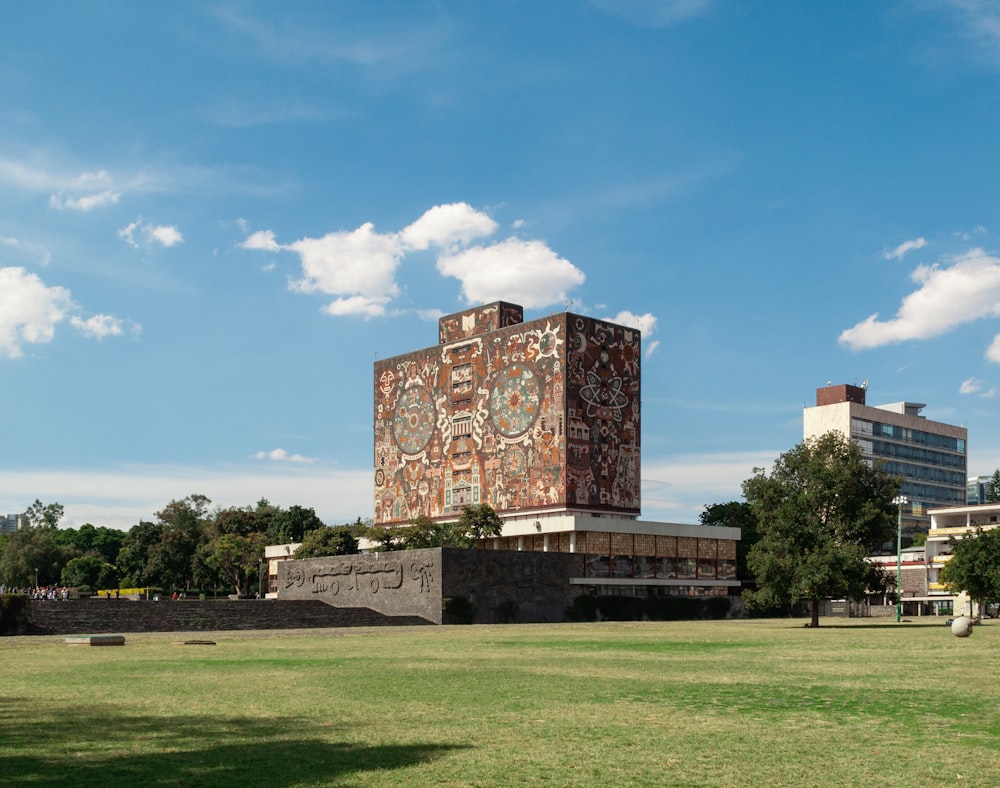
292, 524
479, 522
328, 540
820, 513
90, 571
30, 552
735, 514
975, 567
993, 488
171, 562
475, 523
133, 558
237, 558
234, 520
43, 515
88, 539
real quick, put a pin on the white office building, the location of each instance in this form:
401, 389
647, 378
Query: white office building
930, 456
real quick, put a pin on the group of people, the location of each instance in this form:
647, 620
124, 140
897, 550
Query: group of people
47, 593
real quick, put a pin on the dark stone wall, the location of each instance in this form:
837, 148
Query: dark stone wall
506, 586
500, 585
99, 616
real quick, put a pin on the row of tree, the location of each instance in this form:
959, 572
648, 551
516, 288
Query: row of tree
189, 547
809, 525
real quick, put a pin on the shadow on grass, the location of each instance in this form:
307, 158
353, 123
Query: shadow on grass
102, 745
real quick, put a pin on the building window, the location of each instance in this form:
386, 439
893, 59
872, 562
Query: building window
597, 565
667, 567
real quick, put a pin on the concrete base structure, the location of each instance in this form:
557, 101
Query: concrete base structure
440, 585
624, 555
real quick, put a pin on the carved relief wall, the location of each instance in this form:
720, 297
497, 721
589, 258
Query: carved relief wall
500, 585
529, 416
402, 583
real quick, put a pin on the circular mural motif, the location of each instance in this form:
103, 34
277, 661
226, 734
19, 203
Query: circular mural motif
413, 424
514, 400
514, 461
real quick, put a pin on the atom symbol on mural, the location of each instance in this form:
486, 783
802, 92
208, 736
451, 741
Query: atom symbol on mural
606, 395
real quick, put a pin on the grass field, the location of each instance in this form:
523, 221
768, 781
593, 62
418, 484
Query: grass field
866, 702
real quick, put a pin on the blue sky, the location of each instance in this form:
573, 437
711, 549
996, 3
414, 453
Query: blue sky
214, 217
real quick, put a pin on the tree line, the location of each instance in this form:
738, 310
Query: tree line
189, 547
810, 523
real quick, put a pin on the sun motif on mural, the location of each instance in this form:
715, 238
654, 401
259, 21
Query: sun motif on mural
413, 424
603, 396
514, 400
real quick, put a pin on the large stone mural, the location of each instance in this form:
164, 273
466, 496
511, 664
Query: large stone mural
400, 583
521, 416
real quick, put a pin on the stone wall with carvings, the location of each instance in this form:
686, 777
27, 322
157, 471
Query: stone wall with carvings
407, 582
500, 585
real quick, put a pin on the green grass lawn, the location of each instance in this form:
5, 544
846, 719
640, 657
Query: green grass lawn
867, 702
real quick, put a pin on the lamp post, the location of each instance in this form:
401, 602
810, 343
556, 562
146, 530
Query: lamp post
260, 578
899, 500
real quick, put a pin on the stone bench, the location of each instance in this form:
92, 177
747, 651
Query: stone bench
95, 640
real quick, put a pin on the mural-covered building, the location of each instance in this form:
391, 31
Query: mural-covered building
541, 421
526, 417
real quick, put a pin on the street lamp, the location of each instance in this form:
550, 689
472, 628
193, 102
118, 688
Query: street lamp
36, 579
260, 578
899, 500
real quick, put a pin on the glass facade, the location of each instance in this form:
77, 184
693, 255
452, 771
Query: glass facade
934, 466
641, 556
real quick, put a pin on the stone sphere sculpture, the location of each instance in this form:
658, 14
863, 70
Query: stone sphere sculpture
961, 627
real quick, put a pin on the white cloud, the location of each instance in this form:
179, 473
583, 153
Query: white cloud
164, 235
677, 488
447, 226
347, 264
357, 305
903, 248
280, 455
262, 240
654, 13
30, 310
127, 234
100, 326
646, 324
963, 289
970, 386
359, 267
968, 235
524, 272
84, 203
35, 250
